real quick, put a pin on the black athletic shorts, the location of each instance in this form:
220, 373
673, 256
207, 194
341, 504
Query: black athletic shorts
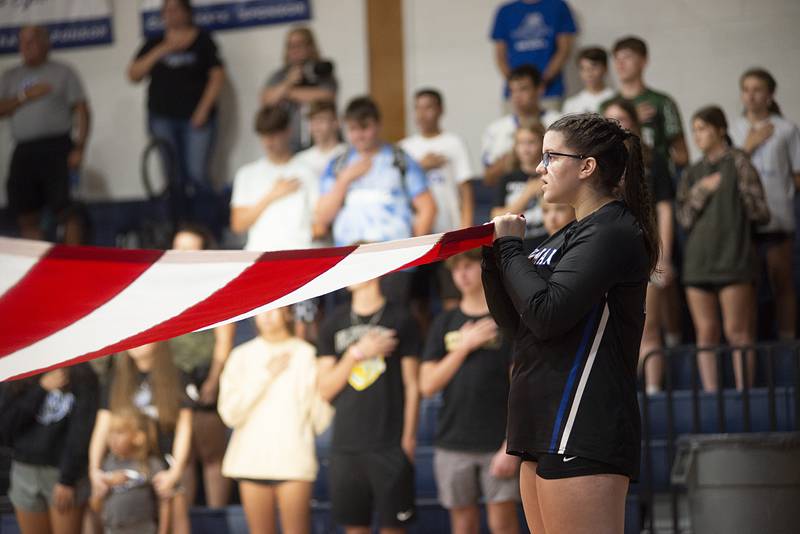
39, 175
714, 287
262, 481
554, 466
382, 481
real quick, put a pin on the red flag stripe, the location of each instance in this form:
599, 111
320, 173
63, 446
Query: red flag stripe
453, 243
17, 258
269, 278
66, 284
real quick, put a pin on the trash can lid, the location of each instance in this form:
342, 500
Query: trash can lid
770, 440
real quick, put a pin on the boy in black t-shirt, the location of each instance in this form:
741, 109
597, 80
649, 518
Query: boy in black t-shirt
368, 368
469, 361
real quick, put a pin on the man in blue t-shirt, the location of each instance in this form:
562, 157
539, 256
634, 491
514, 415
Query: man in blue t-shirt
374, 191
537, 32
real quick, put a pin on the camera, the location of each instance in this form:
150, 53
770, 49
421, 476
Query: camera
314, 71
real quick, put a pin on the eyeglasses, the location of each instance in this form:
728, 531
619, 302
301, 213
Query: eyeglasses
548, 156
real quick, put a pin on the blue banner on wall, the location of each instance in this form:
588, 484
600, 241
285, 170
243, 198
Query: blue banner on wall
71, 23
226, 14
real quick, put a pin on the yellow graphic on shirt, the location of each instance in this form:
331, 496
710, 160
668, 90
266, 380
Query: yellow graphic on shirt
453, 339
366, 372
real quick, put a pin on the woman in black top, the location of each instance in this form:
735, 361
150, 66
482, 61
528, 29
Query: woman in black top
47, 421
576, 309
186, 77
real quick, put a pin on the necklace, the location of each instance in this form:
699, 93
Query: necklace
355, 320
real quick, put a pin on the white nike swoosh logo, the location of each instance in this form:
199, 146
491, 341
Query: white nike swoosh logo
565, 459
405, 516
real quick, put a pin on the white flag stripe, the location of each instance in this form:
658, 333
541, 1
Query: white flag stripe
598, 337
18, 256
176, 282
364, 263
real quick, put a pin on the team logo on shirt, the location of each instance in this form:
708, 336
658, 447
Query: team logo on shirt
436, 176
143, 400
56, 406
542, 256
177, 60
531, 34
453, 339
368, 371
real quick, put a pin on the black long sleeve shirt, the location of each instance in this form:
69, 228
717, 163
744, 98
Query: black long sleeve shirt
575, 307
54, 429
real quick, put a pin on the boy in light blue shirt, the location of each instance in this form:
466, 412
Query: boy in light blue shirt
374, 191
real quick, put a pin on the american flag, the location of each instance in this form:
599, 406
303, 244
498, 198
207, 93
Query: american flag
60, 305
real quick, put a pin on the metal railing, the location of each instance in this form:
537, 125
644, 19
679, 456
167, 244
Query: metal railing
766, 354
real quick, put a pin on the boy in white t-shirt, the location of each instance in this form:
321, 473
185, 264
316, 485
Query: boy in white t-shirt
525, 85
444, 158
274, 197
592, 67
323, 124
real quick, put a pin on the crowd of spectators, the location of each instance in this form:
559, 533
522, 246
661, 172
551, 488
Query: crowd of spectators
122, 443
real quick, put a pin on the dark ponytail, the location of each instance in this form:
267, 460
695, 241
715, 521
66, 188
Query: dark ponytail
637, 197
619, 159
769, 81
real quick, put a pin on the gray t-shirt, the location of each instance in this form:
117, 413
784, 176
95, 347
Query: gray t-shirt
47, 116
135, 502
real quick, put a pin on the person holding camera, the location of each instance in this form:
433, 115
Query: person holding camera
303, 79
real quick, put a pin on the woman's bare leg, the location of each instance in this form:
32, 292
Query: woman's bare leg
651, 340
736, 302
502, 517
218, 487
705, 316
593, 504
179, 510
67, 521
530, 498
465, 520
779, 272
33, 522
294, 503
258, 501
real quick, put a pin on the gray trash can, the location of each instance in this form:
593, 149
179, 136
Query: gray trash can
741, 483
